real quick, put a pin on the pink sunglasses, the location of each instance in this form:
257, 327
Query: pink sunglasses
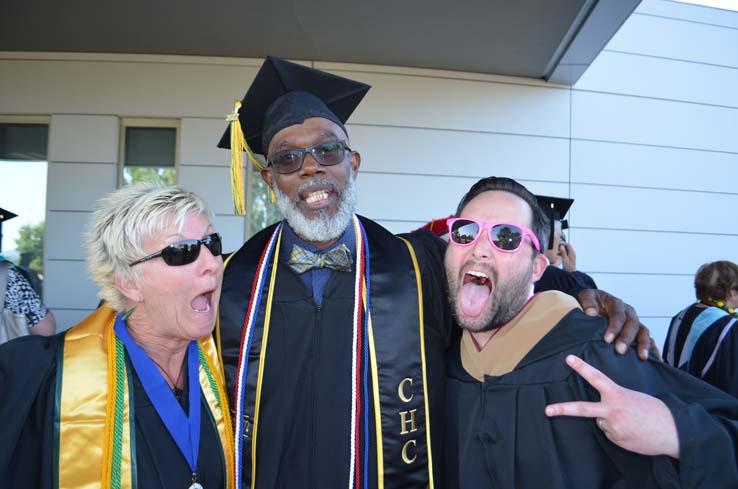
505, 237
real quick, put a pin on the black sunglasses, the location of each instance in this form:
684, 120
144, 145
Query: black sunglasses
185, 251
328, 153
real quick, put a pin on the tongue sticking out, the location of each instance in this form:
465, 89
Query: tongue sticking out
473, 297
200, 304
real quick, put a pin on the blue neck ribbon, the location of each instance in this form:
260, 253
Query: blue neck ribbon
185, 430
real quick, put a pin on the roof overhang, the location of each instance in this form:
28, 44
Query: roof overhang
554, 40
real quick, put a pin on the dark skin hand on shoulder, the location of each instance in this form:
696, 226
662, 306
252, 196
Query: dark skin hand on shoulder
623, 324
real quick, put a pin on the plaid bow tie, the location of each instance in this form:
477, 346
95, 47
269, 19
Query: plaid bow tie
302, 260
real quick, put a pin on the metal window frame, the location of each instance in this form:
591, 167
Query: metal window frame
146, 122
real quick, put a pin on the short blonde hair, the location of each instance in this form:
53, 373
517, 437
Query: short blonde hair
119, 225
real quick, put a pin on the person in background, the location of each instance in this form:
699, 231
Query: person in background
703, 337
20, 297
333, 330
510, 364
133, 395
437, 227
561, 274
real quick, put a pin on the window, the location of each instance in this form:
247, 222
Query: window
23, 172
27, 142
148, 151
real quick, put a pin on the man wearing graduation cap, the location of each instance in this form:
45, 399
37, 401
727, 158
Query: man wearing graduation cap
566, 280
300, 347
332, 330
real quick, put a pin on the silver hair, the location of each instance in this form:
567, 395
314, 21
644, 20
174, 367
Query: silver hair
122, 220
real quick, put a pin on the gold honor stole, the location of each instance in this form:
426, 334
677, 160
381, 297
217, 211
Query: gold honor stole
94, 419
397, 356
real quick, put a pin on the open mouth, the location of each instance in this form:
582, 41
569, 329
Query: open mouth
317, 197
476, 290
203, 302
317, 194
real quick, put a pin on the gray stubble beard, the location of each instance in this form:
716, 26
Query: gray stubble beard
508, 300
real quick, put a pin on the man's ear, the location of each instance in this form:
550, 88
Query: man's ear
355, 160
128, 287
540, 262
266, 175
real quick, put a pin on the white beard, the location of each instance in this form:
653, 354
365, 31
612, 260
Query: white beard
322, 228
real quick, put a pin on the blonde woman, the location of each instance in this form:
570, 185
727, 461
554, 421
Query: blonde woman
133, 395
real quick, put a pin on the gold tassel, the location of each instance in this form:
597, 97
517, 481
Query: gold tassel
272, 197
238, 147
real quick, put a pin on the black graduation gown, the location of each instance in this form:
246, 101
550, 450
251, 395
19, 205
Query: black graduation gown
303, 433
584, 279
28, 372
554, 278
717, 346
503, 439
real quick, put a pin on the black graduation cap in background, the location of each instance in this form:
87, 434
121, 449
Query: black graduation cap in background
555, 208
4, 216
285, 93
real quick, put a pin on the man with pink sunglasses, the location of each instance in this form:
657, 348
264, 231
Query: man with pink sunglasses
510, 365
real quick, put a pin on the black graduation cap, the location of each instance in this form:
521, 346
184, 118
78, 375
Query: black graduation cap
285, 93
4, 216
555, 208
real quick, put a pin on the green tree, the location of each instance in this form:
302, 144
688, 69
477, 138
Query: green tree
136, 174
30, 245
263, 211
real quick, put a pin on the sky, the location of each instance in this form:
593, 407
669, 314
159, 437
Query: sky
723, 4
22, 192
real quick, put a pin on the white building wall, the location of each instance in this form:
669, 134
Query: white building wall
79, 173
654, 156
645, 142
